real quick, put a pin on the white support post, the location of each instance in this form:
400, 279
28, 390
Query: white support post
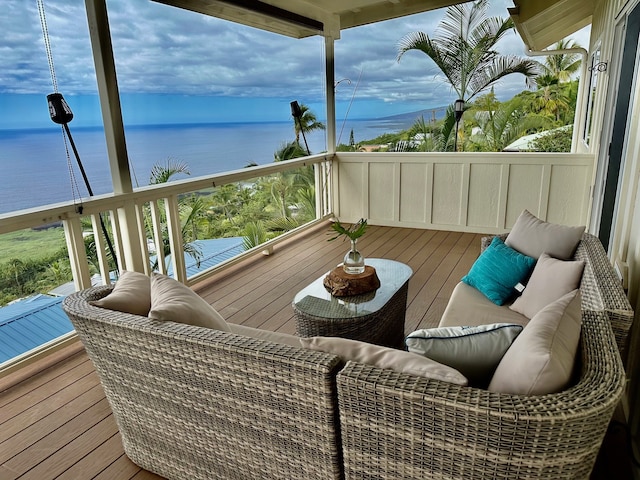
157, 236
77, 253
320, 189
114, 130
143, 237
331, 90
101, 246
175, 238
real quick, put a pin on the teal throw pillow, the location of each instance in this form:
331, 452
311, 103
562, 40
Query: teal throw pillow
498, 270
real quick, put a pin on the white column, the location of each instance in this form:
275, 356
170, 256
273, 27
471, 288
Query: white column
114, 130
330, 89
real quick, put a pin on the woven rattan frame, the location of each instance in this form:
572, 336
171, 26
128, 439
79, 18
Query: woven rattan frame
195, 403
600, 288
384, 327
398, 426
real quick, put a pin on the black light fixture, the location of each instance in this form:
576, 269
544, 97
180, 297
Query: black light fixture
296, 113
458, 108
61, 113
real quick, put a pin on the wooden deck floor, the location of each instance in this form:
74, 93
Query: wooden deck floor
55, 421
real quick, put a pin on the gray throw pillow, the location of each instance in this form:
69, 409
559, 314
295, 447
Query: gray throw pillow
473, 351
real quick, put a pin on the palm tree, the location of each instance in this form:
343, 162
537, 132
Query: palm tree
163, 173
501, 123
562, 65
463, 48
189, 211
289, 151
307, 123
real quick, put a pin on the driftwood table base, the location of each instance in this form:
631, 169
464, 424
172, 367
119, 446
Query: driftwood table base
342, 284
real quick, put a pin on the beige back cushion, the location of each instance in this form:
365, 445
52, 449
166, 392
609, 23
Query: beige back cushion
173, 301
384, 357
541, 358
130, 294
550, 280
532, 237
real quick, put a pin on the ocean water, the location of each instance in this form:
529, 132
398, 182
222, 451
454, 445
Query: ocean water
34, 169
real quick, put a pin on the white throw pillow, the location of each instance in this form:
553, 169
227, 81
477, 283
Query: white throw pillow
131, 294
541, 359
173, 301
550, 280
532, 237
384, 357
473, 351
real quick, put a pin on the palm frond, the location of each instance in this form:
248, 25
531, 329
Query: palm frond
163, 173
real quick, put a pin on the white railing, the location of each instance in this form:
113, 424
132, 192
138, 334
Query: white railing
475, 192
471, 192
113, 207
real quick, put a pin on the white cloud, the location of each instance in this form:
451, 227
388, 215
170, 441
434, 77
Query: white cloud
166, 50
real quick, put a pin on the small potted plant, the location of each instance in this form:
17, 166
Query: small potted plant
353, 260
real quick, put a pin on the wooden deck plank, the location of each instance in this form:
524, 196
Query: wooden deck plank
42, 402
427, 310
59, 450
41, 378
120, 468
74, 451
31, 370
56, 421
37, 430
107, 452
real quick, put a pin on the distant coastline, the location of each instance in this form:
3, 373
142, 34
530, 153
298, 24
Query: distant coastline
35, 170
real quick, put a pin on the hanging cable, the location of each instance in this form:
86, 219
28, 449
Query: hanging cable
47, 44
355, 89
61, 113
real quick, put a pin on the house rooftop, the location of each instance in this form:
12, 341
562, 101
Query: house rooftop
31, 323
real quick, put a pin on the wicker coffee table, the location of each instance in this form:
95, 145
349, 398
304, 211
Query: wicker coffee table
375, 317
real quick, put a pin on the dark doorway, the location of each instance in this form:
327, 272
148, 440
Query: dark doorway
616, 147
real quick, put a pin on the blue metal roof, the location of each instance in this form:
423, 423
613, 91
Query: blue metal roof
32, 322
213, 251
29, 323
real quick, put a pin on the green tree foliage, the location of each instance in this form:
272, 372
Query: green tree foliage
463, 49
557, 140
308, 122
562, 66
20, 277
501, 123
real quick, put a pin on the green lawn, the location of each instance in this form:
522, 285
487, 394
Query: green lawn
31, 244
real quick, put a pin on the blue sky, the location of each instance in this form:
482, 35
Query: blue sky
176, 66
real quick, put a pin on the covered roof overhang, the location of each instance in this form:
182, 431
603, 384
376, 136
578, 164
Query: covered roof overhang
304, 18
542, 23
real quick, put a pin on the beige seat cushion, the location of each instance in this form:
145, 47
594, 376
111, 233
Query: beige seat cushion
173, 301
130, 294
469, 307
384, 357
275, 337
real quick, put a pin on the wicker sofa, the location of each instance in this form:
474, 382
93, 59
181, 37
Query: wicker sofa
413, 428
197, 403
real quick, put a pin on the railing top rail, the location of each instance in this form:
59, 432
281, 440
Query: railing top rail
48, 214
522, 158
